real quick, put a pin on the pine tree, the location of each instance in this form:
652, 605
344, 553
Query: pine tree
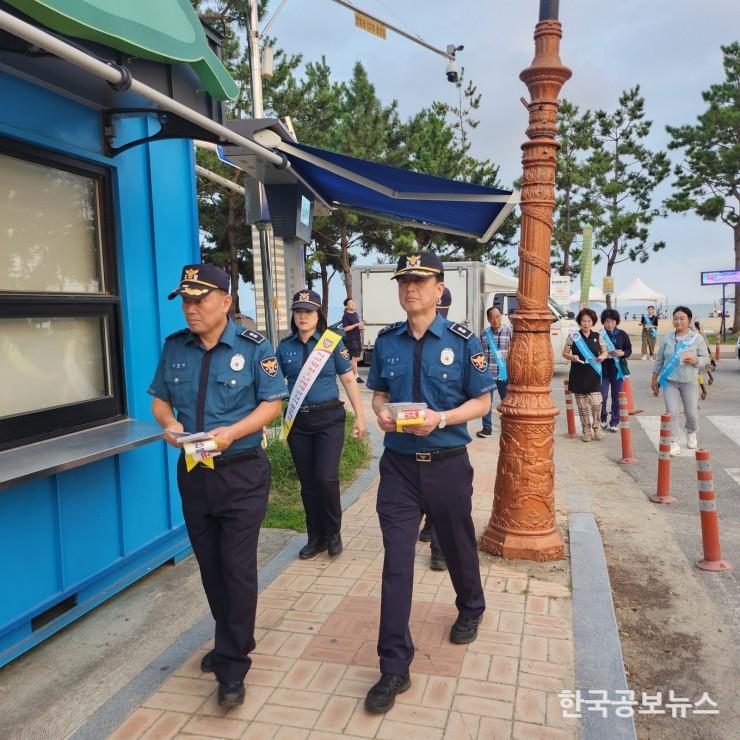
708, 178
624, 174
573, 207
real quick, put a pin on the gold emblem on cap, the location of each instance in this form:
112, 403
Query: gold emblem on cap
191, 273
413, 260
303, 297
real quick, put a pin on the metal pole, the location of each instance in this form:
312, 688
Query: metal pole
723, 326
255, 73
395, 29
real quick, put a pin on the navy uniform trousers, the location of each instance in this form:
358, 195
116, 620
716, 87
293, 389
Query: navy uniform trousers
316, 440
223, 510
442, 489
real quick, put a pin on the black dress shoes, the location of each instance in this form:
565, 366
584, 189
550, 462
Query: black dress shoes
206, 665
426, 531
311, 549
438, 561
334, 544
464, 630
230, 693
382, 696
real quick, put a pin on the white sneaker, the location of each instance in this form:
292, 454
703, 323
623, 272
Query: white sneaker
675, 449
691, 440
644, 357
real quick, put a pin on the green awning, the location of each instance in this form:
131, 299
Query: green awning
166, 31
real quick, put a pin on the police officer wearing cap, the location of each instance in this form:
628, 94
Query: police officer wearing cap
316, 438
425, 469
221, 379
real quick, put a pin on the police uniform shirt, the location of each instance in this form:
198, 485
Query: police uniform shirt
216, 388
292, 354
443, 369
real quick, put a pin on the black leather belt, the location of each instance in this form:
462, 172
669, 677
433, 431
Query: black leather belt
319, 406
250, 454
436, 455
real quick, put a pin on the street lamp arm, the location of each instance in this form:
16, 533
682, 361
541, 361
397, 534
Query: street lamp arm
450, 56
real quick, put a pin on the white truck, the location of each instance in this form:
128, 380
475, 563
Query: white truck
474, 287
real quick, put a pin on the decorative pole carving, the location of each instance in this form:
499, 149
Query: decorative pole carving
522, 523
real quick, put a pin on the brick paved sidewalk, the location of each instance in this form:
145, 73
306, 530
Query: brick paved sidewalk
316, 650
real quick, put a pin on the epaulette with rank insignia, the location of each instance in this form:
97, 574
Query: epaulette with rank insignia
252, 335
461, 330
390, 327
177, 333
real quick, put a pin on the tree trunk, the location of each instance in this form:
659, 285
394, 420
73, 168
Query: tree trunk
233, 264
565, 268
344, 259
736, 320
324, 286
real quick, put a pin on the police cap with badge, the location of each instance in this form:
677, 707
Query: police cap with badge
419, 264
197, 281
308, 300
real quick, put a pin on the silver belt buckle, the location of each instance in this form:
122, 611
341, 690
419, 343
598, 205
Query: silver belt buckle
423, 457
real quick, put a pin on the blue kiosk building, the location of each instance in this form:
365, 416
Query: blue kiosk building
92, 237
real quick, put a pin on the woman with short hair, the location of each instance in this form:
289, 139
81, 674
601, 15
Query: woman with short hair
613, 370
677, 364
586, 351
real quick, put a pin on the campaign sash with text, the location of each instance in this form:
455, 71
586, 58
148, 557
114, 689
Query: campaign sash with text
309, 372
503, 374
611, 348
649, 325
675, 359
586, 352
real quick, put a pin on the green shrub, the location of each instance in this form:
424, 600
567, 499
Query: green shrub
284, 508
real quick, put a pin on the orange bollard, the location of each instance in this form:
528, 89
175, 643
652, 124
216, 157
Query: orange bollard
663, 494
624, 430
709, 517
630, 400
570, 415
716, 349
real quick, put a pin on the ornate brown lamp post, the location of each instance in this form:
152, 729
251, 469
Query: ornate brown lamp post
522, 523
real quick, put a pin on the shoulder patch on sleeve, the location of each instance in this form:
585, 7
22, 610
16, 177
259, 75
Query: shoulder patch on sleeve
177, 333
253, 336
344, 353
461, 330
390, 327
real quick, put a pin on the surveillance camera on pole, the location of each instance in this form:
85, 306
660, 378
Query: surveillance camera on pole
452, 72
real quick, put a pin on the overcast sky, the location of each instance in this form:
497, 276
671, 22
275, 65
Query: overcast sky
670, 47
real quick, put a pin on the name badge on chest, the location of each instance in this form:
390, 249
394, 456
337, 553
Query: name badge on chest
237, 363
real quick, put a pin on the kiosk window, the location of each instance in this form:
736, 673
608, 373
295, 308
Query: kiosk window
59, 308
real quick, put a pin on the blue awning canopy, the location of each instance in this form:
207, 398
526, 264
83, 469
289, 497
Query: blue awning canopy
394, 194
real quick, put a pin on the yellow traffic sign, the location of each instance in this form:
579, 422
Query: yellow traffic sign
370, 25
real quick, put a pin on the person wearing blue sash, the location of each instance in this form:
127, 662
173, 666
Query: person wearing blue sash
619, 347
649, 324
676, 370
496, 340
316, 438
586, 351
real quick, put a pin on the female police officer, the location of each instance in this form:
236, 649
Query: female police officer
224, 380
317, 435
425, 359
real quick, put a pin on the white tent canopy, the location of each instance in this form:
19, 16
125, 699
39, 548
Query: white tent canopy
595, 295
638, 291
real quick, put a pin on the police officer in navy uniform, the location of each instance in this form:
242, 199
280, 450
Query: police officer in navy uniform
425, 468
223, 380
427, 534
316, 438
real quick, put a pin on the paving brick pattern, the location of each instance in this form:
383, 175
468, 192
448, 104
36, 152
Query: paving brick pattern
316, 654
